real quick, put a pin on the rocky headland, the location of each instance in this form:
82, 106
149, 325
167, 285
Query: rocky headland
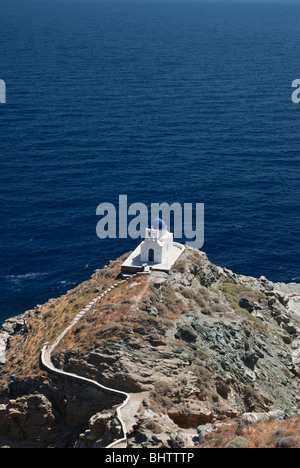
208, 357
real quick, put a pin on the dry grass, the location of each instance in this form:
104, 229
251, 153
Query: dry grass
108, 319
47, 322
259, 435
262, 435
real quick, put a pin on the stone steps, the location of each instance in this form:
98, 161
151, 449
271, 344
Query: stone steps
47, 363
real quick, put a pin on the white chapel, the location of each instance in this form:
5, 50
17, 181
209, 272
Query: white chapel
157, 251
158, 243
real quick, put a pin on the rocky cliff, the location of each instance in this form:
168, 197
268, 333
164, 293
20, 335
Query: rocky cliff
197, 348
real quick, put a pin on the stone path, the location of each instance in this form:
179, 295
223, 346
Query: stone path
131, 409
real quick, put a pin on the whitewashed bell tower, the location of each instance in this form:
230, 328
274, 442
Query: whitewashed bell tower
158, 243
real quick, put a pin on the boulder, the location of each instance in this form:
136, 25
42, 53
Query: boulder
97, 425
285, 442
181, 440
252, 418
203, 430
238, 442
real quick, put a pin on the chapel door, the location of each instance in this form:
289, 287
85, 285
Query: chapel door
151, 255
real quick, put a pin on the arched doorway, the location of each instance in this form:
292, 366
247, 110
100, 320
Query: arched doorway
151, 255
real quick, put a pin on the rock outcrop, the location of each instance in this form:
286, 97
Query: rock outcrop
202, 345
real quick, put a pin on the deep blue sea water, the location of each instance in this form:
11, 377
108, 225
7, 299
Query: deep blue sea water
165, 101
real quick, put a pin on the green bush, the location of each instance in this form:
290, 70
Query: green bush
188, 293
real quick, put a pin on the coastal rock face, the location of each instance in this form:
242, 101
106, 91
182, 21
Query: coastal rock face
28, 417
201, 345
12, 326
103, 428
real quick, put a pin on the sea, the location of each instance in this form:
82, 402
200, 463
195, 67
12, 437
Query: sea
185, 101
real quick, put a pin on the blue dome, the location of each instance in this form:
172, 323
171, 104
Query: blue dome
158, 224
